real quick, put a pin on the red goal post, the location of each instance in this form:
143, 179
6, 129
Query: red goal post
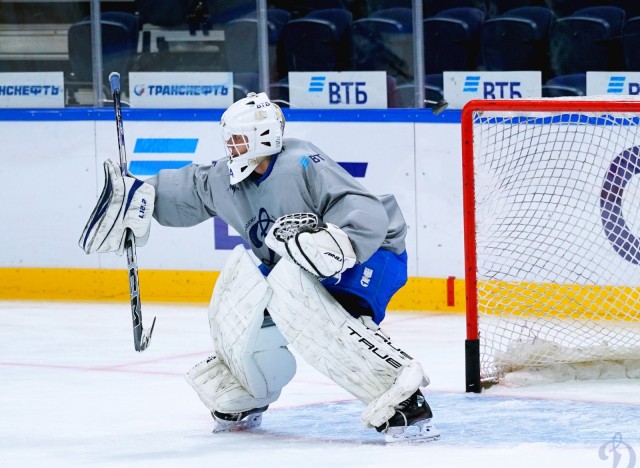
551, 213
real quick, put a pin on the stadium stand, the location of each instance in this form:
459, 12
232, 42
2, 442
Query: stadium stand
517, 40
451, 40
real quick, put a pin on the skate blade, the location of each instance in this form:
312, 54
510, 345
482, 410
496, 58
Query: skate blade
422, 433
250, 422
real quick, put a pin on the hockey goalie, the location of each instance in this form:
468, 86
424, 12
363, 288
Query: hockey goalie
330, 257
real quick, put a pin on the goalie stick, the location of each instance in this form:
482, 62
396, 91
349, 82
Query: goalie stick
141, 337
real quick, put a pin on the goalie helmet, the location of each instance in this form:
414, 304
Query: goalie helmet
260, 125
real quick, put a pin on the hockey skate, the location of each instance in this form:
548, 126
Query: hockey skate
228, 422
411, 423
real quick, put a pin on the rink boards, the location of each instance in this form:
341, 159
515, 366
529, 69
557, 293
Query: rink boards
52, 177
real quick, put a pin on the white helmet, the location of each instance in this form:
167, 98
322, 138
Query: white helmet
261, 124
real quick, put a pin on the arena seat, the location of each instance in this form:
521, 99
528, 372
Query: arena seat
517, 40
241, 40
320, 41
119, 42
587, 40
631, 43
451, 40
384, 42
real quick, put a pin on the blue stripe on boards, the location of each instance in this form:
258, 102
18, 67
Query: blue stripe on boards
166, 145
213, 115
151, 168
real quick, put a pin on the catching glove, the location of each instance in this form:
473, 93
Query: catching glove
322, 251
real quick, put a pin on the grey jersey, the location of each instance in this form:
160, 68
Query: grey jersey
300, 179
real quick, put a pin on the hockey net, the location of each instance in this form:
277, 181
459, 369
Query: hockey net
552, 249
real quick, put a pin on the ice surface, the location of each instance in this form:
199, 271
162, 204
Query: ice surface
74, 393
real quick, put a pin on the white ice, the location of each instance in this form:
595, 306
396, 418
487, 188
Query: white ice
74, 393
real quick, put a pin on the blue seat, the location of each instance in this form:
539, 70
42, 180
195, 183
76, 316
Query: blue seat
119, 42
631, 7
129, 20
573, 84
241, 40
499, 7
375, 5
341, 18
631, 43
589, 39
317, 42
451, 40
383, 42
433, 7
402, 15
517, 40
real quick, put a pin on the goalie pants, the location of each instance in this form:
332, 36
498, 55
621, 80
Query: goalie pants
367, 288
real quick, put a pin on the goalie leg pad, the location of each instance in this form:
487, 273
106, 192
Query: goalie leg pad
251, 347
359, 359
220, 391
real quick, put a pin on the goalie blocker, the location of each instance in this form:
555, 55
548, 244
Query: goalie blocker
125, 203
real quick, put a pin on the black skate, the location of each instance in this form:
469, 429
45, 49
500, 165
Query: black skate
411, 423
227, 422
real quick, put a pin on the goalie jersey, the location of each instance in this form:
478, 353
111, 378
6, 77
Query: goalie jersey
300, 179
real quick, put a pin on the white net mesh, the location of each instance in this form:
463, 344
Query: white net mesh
557, 207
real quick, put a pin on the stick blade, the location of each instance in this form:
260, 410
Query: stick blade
146, 337
439, 107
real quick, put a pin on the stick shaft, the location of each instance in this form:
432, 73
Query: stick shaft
129, 243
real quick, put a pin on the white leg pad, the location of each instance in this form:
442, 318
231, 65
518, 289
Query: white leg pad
359, 359
220, 391
252, 351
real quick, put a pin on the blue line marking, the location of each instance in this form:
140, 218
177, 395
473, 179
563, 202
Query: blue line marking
151, 168
166, 145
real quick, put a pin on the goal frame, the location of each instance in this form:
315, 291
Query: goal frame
472, 342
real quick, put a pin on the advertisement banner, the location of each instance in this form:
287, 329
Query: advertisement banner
210, 90
462, 87
338, 90
32, 90
614, 83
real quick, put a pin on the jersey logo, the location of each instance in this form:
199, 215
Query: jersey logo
260, 228
316, 158
366, 277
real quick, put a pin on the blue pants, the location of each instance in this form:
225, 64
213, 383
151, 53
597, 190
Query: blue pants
367, 288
